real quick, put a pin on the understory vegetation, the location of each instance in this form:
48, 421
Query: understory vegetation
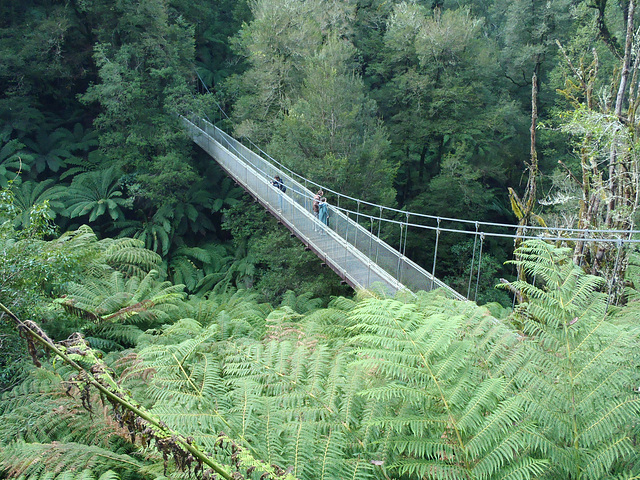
417, 386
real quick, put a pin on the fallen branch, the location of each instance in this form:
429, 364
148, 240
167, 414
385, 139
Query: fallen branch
92, 372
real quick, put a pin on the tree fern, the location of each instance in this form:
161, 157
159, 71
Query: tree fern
198, 268
580, 382
92, 373
302, 303
40, 411
50, 150
79, 139
88, 162
114, 300
238, 314
129, 256
41, 427
12, 160
190, 214
96, 194
187, 388
30, 194
125, 255
297, 404
446, 415
293, 403
156, 232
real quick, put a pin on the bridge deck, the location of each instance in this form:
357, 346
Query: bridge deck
355, 254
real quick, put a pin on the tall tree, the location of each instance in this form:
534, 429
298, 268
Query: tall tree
438, 101
45, 60
604, 127
276, 44
145, 58
331, 133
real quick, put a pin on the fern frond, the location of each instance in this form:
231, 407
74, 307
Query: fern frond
43, 410
70, 475
28, 459
185, 272
100, 336
129, 256
303, 303
117, 299
579, 374
305, 397
449, 418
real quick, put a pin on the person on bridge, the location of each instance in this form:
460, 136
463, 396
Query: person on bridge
279, 184
323, 212
316, 206
316, 202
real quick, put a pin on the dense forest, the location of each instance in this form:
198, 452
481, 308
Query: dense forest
156, 323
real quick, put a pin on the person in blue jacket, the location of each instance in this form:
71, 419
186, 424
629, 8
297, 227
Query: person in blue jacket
323, 212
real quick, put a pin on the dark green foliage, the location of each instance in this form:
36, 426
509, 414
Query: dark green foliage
214, 25
143, 77
478, 283
199, 268
270, 261
50, 151
13, 160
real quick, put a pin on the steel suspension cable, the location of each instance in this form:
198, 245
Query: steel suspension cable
406, 234
378, 242
615, 274
475, 298
435, 254
473, 257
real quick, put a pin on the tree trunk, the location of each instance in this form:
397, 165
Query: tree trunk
423, 156
529, 198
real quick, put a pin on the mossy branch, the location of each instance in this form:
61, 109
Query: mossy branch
94, 373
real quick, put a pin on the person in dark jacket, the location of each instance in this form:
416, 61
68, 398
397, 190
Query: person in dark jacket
316, 206
279, 184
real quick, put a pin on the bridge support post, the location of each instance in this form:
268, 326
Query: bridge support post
435, 254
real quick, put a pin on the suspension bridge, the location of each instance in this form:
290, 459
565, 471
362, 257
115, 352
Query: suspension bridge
351, 244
